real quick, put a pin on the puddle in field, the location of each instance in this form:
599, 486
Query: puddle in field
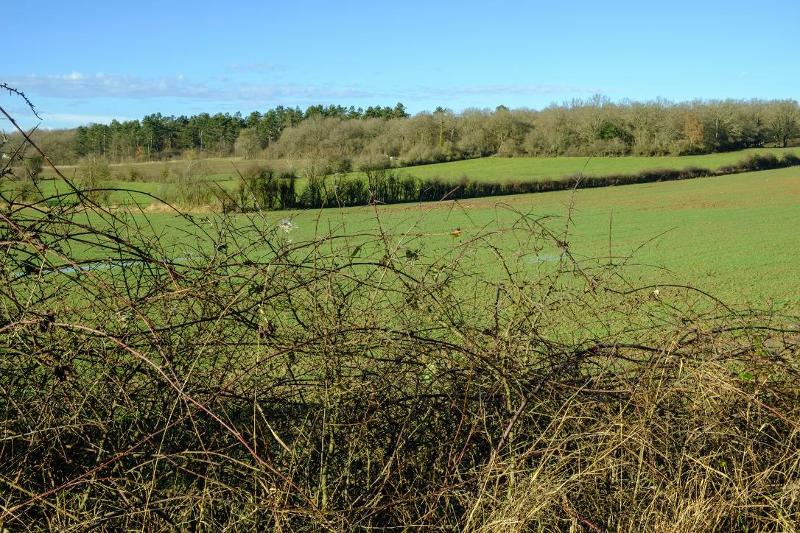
88, 267
544, 258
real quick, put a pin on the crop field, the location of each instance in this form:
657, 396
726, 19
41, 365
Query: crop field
734, 236
632, 304
518, 168
138, 193
215, 167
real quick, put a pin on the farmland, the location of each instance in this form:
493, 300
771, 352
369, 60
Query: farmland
734, 236
573, 300
520, 168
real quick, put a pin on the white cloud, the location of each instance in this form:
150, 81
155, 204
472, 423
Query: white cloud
79, 86
78, 90
77, 118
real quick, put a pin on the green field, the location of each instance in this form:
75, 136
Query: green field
219, 167
142, 193
525, 168
735, 236
664, 307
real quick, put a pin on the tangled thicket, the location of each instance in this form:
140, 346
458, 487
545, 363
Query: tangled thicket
350, 382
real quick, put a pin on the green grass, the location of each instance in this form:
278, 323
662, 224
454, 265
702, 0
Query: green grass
499, 169
735, 236
143, 193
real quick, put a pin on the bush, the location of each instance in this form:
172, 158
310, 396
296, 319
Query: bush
32, 166
135, 175
93, 175
760, 162
350, 192
190, 194
24, 190
385, 186
790, 160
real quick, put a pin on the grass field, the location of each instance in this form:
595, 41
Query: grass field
139, 193
735, 236
254, 358
522, 168
215, 168
487, 168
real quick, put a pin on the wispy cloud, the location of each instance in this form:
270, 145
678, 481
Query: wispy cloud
79, 86
79, 118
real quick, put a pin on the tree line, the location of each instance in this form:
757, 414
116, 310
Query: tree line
337, 138
160, 137
597, 127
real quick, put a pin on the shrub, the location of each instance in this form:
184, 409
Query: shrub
350, 192
135, 175
24, 190
258, 188
760, 162
314, 194
32, 166
191, 193
790, 160
93, 176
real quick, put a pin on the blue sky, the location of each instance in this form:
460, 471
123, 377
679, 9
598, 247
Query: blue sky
83, 61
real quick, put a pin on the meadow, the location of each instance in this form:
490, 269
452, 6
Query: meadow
732, 235
213, 167
502, 314
500, 169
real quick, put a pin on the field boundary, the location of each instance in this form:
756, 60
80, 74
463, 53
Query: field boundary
267, 190
261, 188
